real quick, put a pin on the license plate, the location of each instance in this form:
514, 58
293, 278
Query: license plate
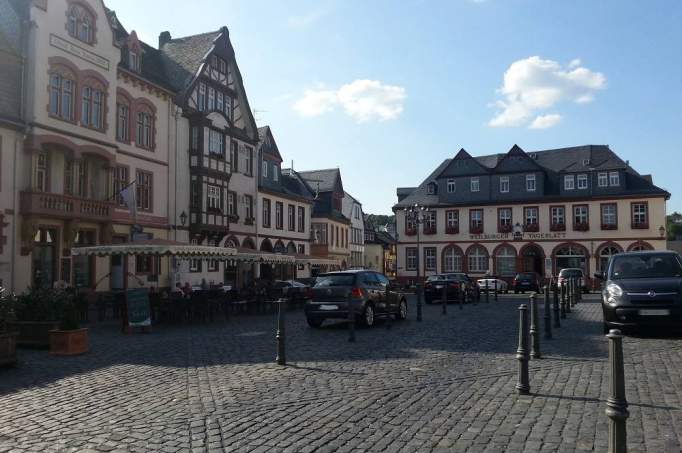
653, 312
329, 307
439, 287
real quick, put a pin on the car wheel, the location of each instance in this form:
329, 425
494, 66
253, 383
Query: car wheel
315, 322
368, 316
402, 310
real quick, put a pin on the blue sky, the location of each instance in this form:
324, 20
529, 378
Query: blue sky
386, 90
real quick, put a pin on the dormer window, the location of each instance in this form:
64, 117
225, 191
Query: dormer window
133, 61
452, 187
431, 189
530, 183
475, 185
275, 173
80, 23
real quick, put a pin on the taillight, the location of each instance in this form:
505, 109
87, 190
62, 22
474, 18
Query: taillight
357, 292
454, 285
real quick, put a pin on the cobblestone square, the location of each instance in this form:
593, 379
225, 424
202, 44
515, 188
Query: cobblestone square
446, 384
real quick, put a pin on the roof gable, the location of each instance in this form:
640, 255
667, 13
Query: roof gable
268, 144
462, 165
328, 180
516, 160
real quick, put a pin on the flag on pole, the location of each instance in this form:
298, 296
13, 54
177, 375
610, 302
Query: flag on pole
128, 195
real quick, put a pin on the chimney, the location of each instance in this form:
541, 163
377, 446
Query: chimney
164, 37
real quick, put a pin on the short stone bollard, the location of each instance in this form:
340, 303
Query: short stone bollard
548, 315
523, 384
487, 290
534, 334
444, 298
564, 289
555, 308
351, 320
495, 289
281, 332
616, 403
420, 295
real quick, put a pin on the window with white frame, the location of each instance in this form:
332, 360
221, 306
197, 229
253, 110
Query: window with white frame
216, 142
639, 214
530, 183
41, 172
452, 219
194, 264
201, 100
265, 169
248, 207
430, 188
213, 197
569, 182
505, 261
504, 184
430, 220
580, 215
582, 181
452, 260
266, 213
411, 258
275, 173
430, 258
301, 219
558, 215
451, 186
531, 215
609, 214
614, 178
476, 217
211, 99
478, 260
475, 184
602, 179
505, 217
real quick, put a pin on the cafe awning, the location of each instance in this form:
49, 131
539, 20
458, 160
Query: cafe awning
156, 247
316, 260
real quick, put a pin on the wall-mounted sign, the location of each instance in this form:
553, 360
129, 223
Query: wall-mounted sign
78, 51
510, 236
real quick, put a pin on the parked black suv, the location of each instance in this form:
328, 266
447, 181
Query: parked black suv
642, 289
433, 287
371, 293
526, 281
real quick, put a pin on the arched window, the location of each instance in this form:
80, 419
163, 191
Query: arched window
452, 260
478, 259
571, 256
92, 104
291, 248
62, 88
231, 243
605, 255
144, 126
279, 247
505, 261
639, 246
80, 23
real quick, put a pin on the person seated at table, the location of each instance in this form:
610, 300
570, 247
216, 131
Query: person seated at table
177, 289
187, 289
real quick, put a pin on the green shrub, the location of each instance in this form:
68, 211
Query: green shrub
42, 305
7, 308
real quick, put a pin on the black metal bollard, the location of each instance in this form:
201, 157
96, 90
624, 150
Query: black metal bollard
616, 403
569, 303
389, 316
487, 291
534, 334
495, 288
563, 299
281, 332
555, 307
523, 385
419, 302
444, 296
351, 320
548, 315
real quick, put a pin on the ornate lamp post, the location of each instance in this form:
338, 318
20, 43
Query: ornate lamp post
417, 215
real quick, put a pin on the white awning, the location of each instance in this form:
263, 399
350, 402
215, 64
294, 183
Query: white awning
156, 247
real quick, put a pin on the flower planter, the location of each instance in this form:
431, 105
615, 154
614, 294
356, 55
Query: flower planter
8, 348
32, 333
69, 342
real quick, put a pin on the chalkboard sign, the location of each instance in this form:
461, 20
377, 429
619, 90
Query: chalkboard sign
139, 314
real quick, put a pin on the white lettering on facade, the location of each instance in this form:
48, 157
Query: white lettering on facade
66, 46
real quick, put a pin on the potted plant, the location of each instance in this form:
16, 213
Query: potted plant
8, 340
37, 312
69, 338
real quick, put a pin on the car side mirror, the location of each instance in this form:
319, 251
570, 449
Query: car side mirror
599, 275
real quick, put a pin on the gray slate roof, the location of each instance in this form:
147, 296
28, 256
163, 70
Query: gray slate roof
326, 178
182, 56
553, 161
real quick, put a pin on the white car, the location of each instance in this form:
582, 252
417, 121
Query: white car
501, 284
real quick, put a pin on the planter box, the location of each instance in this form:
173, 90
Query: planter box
32, 333
69, 342
531, 228
8, 348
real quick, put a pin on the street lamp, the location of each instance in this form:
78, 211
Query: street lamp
416, 215
183, 218
661, 231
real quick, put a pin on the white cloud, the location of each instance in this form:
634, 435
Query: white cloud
533, 84
363, 100
545, 121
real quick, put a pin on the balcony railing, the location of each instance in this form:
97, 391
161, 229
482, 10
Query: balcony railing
65, 206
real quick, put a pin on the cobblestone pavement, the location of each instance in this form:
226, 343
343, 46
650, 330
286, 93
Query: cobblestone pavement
446, 384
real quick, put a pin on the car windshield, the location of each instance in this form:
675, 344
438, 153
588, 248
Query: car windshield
568, 273
645, 266
335, 280
527, 276
434, 278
